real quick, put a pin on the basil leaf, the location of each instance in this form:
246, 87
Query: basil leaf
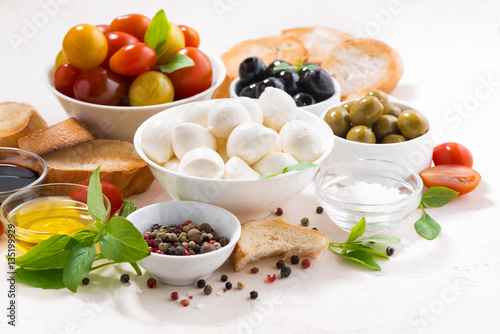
158, 30
123, 242
85, 236
357, 230
262, 177
176, 62
362, 257
301, 166
367, 249
48, 254
283, 67
45, 279
427, 227
95, 201
310, 66
78, 264
127, 208
439, 196
380, 238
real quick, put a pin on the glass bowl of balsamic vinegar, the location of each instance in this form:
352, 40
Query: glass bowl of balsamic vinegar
19, 169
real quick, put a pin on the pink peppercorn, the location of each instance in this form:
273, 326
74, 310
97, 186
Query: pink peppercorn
305, 263
184, 302
279, 211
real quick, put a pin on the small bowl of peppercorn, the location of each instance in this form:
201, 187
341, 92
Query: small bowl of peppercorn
188, 240
312, 88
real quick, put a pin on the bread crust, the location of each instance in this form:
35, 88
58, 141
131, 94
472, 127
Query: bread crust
120, 165
16, 121
353, 53
56, 137
270, 237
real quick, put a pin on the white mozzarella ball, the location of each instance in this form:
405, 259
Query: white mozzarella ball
301, 141
225, 116
250, 142
277, 108
156, 140
253, 108
172, 164
199, 113
188, 136
236, 168
202, 162
274, 163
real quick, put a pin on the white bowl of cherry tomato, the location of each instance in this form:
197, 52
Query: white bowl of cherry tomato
114, 77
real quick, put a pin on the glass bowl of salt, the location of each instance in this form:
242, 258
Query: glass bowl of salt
383, 192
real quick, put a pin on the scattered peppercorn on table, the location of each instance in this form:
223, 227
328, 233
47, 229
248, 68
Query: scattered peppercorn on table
449, 284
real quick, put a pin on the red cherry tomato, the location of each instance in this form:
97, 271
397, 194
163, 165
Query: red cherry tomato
456, 177
104, 28
133, 60
108, 189
452, 153
100, 86
65, 77
134, 24
117, 40
192, 80
191, 36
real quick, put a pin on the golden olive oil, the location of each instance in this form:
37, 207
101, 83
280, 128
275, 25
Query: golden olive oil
49, 215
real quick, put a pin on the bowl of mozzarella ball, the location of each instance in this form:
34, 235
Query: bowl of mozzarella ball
246, 155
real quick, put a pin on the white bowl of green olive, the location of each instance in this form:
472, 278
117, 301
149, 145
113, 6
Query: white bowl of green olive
375, 126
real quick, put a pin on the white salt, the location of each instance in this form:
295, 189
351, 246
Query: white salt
369, 193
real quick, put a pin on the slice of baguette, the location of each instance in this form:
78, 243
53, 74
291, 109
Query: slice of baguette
270, 237
360, 65
318, 41
16, 121
120, 165
56, 137
268, 49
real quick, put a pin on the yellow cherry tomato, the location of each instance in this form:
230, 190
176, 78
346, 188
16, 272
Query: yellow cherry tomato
151, 88
60, 59
175, 41
85, 46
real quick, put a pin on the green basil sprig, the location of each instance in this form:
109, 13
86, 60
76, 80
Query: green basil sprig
354, 248
291, 168
63, 260
436, 197
285, 66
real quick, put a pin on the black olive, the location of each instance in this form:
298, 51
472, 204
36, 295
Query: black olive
303, 99
251, 69
318, 84
290, 80
248, 91
268, 82
270, 72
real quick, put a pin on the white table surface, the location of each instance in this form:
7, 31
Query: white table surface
450, 52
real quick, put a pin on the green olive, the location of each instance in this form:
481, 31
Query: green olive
412, 124
393, 138
393, 110
338, 119
362, 134
347, 105
366, 111
386, 125
381, 96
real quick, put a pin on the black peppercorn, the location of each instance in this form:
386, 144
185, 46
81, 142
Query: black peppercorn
85, 281
254, 270
319, 209
305, 221
229, 285
280, 264
294, 259
285, 271
389, 251
125, 278
254, 294
201, 283
223, 278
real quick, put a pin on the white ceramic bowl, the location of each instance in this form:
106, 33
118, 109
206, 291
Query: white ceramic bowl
415, 154
242, 197
317, 108
122, 122
186, 270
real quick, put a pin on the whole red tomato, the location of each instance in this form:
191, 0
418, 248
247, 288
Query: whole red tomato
108, 189
452, 153
117, 40
191, 36
189, 81
65, 77
134, 24
133, 59
99, 86
104, 28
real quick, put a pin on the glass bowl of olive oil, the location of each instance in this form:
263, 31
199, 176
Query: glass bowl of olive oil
34, 214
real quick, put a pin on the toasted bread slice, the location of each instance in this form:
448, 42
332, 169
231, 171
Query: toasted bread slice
270, 237
318, 41
360, 65
16, 121
120, 165
56, 137
268, 49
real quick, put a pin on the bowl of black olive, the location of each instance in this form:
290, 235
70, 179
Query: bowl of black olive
312, 88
